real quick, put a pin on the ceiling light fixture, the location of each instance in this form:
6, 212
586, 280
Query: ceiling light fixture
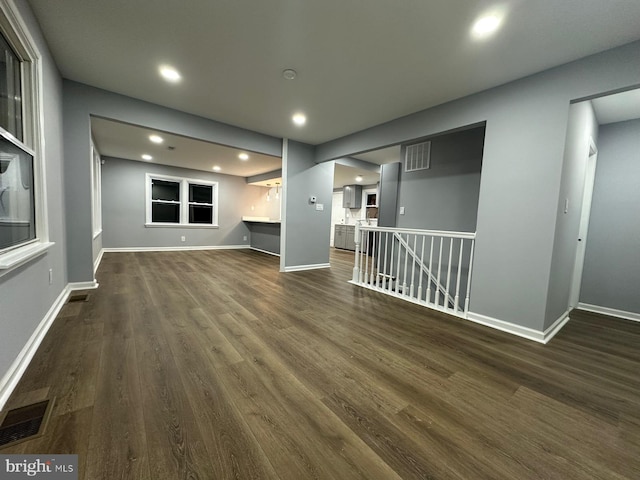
156, 138
146, 156
170, 74
299, 119
486, 25
243, 156
289, 74
216, 168
359, 178
277, 190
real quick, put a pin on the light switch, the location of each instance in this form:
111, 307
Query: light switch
319, 207
401, 210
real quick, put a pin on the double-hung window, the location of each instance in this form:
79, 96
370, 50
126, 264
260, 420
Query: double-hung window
23, 225
176, 201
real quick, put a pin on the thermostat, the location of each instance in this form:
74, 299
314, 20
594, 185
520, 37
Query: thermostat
312, 199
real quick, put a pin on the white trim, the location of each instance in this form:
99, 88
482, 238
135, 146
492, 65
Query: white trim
300, 268
97, 234
174, 249
612, 312
83, 285
520, 331
283, 204
18, 257
97, 261
265, 251
180, 225
20, 364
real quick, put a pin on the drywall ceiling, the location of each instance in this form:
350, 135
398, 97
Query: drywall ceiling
617, 108
381, 156
359, 63
120, 140
344, 175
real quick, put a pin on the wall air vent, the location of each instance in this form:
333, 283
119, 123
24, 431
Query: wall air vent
417, 157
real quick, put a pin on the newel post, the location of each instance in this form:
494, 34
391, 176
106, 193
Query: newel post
356, 265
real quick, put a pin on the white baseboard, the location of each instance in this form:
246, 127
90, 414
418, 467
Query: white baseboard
524, 332
96, 264
20, 364
265, 251
82, 285
612, 312
300, 268
175, 249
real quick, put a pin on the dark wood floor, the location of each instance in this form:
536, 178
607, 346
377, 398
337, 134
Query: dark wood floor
212, 365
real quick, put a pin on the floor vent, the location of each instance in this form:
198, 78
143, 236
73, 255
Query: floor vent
79, 297
24, 423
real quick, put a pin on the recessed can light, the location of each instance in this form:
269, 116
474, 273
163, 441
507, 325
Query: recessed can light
359, 178
243, 156
299, 119
146, 156
216, 168
170, 74
156, 138
486, 25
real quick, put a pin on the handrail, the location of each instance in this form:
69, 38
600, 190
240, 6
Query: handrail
444, 260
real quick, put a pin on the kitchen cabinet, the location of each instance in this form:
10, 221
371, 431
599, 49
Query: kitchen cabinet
344, 237
352, 196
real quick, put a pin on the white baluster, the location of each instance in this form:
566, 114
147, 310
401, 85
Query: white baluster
438, 288
356, 265
430, 271
413, 264
456, 300
398, 267
373, 255
446, 292
390, 288
378, 262
421, 274
366, 256
406, 259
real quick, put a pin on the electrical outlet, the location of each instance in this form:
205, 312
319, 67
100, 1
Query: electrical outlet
319, 207
401, 210
51, 276
244, 239
183, 238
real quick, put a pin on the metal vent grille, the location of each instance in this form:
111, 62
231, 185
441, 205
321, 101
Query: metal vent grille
417, 157
24, 422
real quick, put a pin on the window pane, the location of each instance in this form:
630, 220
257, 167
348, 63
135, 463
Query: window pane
165, 213
10, 90
17, 206
165, 190
200, 214
200, 193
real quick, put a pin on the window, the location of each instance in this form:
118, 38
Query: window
96, 191
23, 214
175, 201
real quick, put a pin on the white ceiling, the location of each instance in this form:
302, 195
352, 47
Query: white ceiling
359, 63
617, 108
345, 175
381, 156
115, 139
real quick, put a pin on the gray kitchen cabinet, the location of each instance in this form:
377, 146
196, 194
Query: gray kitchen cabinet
340, 237
344, 237
352, 196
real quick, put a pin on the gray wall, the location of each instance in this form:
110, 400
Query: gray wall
582, 126
388, 195
306, 230
526, 123
81, 101
611, 275
25, 293
124, 202
444, 197
265, 236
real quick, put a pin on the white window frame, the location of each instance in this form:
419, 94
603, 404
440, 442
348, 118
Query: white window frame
96, 191
17, 35
184, 201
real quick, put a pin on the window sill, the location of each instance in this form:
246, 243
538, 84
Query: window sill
179, 225
15, 258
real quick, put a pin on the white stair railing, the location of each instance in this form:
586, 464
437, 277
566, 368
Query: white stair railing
429, 267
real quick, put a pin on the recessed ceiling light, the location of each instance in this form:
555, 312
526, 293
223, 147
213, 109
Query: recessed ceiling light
216, 168
359, 178
289, 74
156, 138
170, 74
146, 156
486, 25
243, 156
299, 119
